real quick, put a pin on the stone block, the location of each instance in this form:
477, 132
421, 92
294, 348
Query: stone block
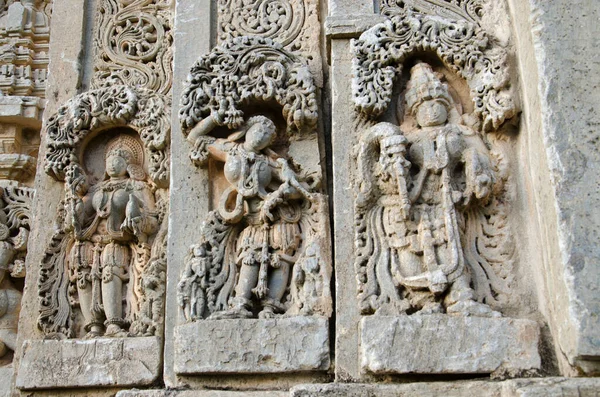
99, 362
443, 344
293, 344
200, 393
421, 389
552, 387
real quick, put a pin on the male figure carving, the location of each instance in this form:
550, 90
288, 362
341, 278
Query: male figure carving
412, 257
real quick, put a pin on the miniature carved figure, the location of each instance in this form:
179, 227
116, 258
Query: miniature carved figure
410, 232
111, 222
258, 233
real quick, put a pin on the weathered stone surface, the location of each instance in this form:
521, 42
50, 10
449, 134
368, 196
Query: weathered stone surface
294, 344
199, 393
98, 362
421, 389
563, 157
549, 387
443, 344
6, 375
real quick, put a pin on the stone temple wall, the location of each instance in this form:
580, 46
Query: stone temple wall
299, 198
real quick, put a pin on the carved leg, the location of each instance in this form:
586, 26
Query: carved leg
241, 305
115, 259
82, 260
278, 282
461, 300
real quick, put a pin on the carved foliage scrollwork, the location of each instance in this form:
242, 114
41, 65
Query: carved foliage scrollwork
249, 69
292, 23
140, 109
133, 44
469, 10
280, 20
463, 47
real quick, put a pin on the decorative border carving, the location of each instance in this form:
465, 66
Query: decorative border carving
133, 43
247, 69
293, 23
379, 53
469, 10
119, 106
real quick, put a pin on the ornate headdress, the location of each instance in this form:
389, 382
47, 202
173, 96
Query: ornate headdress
424, 86
128, 148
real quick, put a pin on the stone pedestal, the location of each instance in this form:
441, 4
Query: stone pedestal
79, 363
295, 344
443, 344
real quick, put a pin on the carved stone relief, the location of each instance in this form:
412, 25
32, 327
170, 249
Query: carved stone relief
15, 216
104, 271
132, 43
293, 23
432, 236
464, 48
454, 10
264, 249
24, 43
266, 226
422, 207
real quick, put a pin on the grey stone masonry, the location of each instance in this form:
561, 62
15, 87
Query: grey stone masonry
442, 344
294, 344
78, 363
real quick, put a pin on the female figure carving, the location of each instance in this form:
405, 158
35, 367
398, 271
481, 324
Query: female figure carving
255, 236
411, 256
111, 222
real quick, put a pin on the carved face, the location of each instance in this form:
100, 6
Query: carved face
259, 137
431, 113
116, 166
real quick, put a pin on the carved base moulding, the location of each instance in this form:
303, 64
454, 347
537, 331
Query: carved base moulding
292, 344
106, 362
422, 344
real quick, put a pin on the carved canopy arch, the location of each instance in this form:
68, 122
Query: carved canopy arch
463, 47
243, 70
118, 106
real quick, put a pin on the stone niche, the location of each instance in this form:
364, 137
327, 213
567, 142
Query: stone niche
254, 291
102, 279
436, 262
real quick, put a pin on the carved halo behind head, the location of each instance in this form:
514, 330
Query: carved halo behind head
131, 151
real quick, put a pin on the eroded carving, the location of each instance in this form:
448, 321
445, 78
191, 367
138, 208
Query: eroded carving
464, 48
133, 44
265, 230
293, 23
15, 215
427, 224
454, 10
24, 44
109, 247
262, 250
243, 70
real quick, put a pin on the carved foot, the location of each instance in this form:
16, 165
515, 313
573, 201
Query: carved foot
267, 313
432, 308
472, 308
237, 312
92, 335
115, 331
